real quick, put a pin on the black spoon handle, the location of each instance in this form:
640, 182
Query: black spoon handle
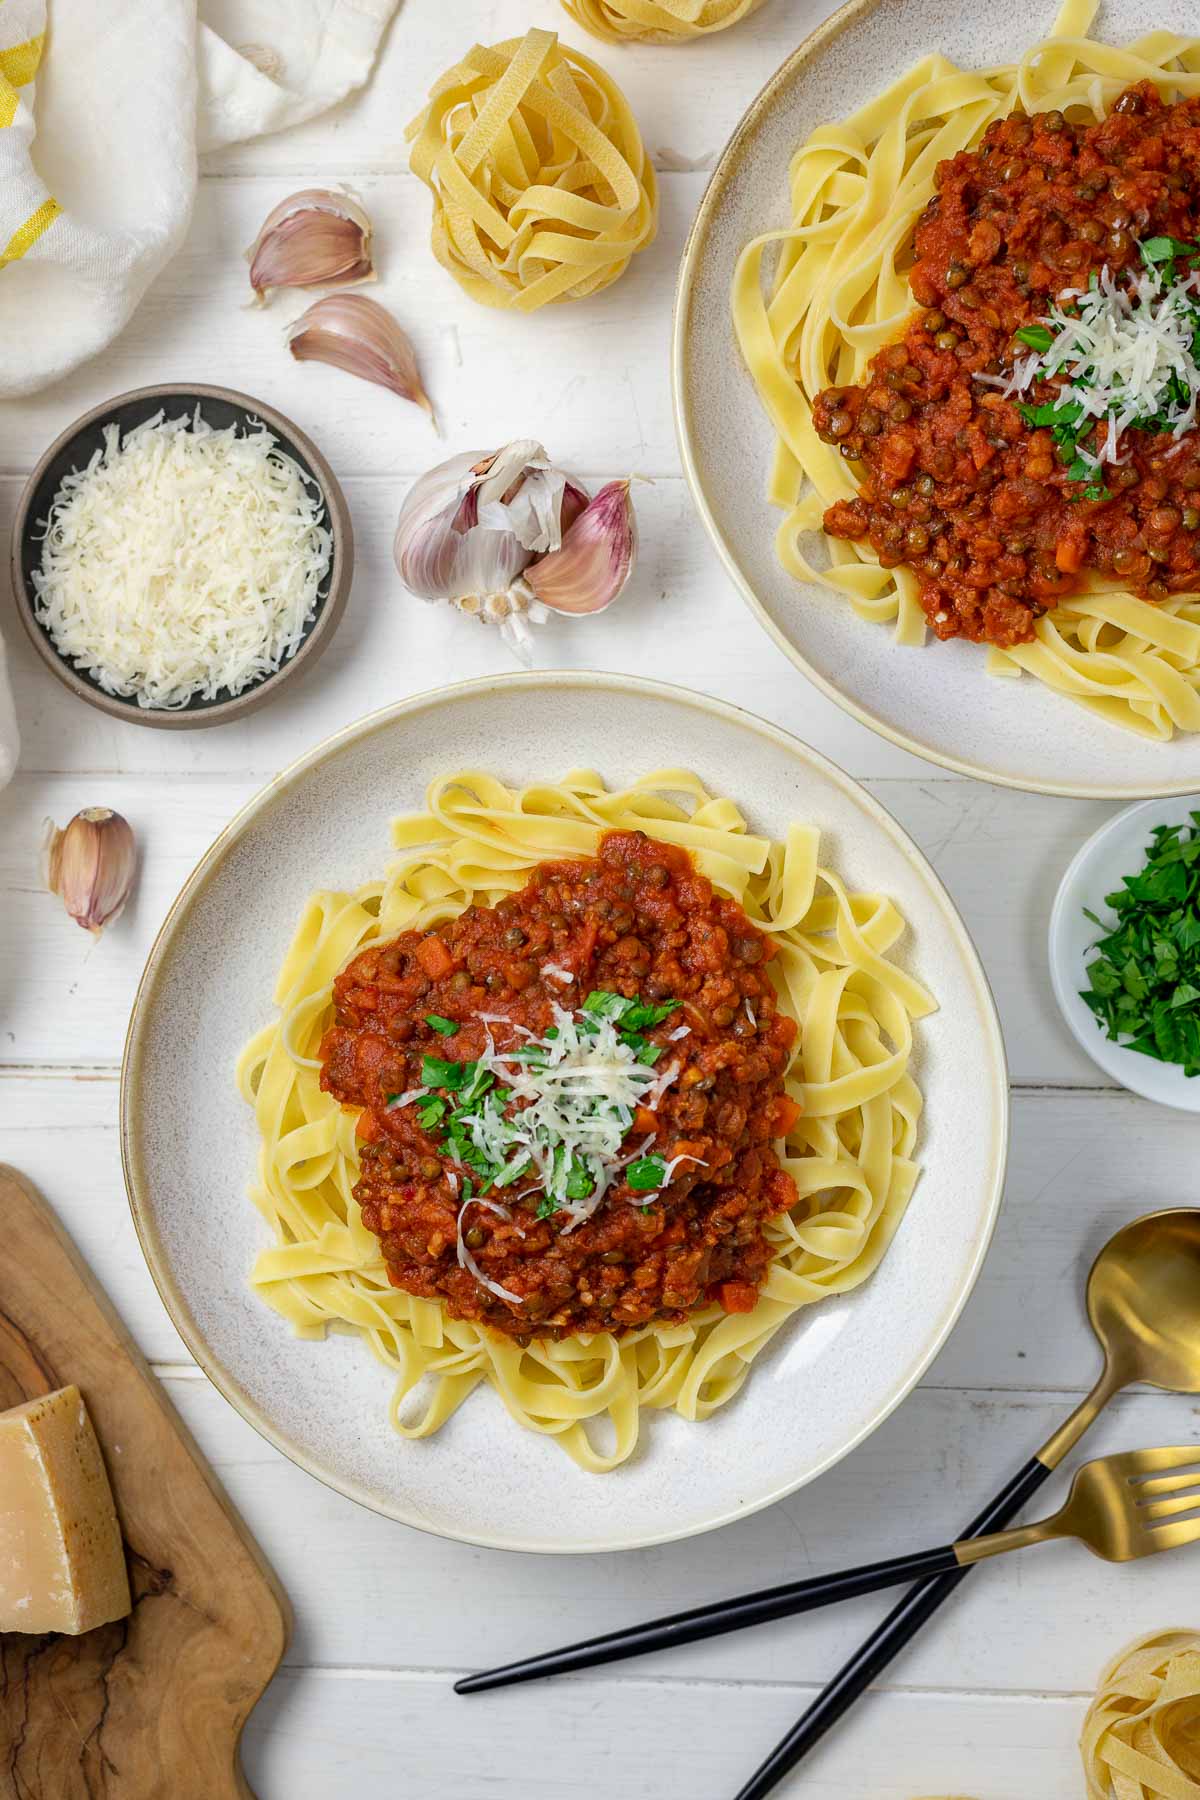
898, 1629
718, 1617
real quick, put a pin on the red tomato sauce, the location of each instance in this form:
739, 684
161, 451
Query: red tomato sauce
954, 483
638, 921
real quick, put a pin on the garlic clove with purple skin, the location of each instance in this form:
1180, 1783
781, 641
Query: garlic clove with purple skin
595, 560
90, 866
315, 238
350, 332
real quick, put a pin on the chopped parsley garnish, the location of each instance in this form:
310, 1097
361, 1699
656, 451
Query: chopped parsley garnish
640, 1015
579, 1181
646, 1173
437, 1073
1145, 979
443, 1027
1036, 336
431, 1112
602, 1005
1157, 250
633, 1015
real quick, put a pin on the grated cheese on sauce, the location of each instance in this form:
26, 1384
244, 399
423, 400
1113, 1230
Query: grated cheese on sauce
183, 561
1126, 349
575, 1105
565, 1105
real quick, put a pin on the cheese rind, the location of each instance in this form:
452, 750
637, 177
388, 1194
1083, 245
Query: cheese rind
62, 1562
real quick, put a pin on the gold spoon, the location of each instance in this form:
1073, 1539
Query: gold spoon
1143, 1299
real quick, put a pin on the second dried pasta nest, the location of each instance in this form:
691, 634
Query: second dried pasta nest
658, 21
542, 189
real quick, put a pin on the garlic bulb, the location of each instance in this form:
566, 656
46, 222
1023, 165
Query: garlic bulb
312, 239
480, 530
90, 866
358, 335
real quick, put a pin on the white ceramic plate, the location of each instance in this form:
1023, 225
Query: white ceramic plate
189, 1143
938, 701
1116, 850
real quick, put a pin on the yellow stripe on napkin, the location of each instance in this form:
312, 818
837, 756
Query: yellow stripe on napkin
19, 64
28, 234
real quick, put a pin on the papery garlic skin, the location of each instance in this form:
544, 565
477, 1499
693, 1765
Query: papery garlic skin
356, 334
316, 238
596, 557
91, 865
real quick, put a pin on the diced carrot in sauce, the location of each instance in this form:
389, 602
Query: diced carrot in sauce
737, 1296
786, 1111
434, 958
1068, 555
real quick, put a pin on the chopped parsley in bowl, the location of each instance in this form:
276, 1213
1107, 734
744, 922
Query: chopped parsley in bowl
1125, 949
1144, 981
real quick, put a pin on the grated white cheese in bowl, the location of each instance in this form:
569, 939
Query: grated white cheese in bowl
183, 562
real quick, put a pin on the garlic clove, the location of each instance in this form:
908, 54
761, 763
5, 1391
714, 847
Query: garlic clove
312, 239
575, 501
358, 335
90, 866
437, 509
595, 559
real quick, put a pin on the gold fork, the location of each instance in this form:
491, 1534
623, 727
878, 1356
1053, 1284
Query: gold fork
1121, 1507
1118, 1506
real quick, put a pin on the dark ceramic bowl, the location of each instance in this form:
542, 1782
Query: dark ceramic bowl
220, 407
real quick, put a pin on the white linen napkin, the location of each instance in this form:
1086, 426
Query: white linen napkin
123, 98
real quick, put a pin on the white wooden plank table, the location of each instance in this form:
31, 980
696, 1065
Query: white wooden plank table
990, 1700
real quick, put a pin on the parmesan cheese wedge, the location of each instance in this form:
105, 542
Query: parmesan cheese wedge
62, 1563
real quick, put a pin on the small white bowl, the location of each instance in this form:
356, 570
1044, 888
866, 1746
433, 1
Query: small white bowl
1116, 850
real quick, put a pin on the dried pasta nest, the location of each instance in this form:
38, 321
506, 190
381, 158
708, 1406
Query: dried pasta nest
1141, 1737
658, 21
542, 189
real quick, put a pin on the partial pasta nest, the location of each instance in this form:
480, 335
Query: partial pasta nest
658, 21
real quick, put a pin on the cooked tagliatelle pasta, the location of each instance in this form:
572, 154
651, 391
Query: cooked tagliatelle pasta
1141, 1737
814, 302
848, 1096
658, 21
542, 189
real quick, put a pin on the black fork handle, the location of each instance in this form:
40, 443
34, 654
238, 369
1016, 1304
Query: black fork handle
886, 1642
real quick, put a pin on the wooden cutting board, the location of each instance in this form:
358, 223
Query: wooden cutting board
151, 1707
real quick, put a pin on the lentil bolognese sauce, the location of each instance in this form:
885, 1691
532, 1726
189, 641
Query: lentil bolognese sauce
569, 1099
1036, 422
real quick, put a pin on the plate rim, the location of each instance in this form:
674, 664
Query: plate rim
728, 163
1096, 1045
178, 1310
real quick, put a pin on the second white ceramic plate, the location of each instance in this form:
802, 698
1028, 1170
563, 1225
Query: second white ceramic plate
938, 701
189, 1142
